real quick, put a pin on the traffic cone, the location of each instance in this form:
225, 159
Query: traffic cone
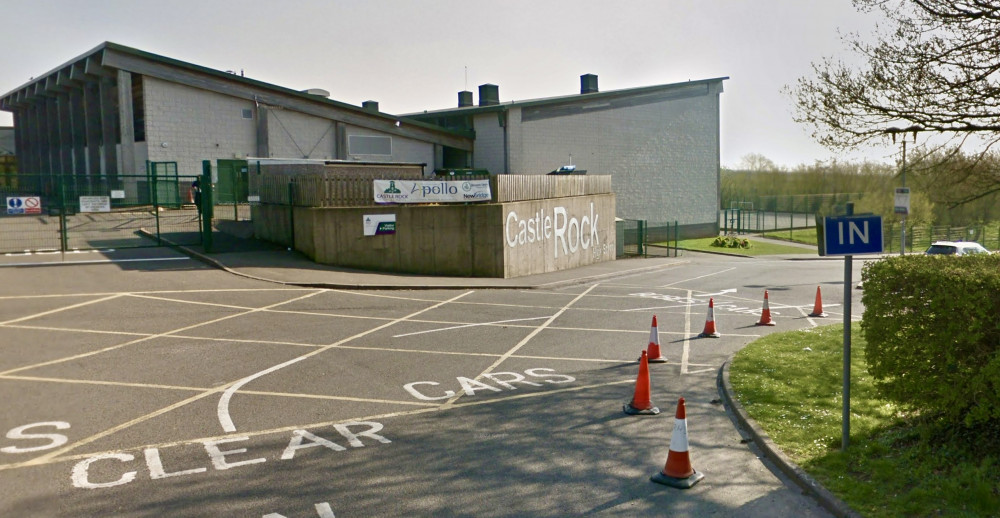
765, 314
818, 306
641, 404
653, 351
709, 331
678, 471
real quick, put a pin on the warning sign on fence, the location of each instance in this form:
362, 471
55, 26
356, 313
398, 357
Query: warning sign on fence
95, 204
24, 205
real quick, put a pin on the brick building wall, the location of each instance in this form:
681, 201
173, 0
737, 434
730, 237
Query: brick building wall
663, 156
488, 153
195, 125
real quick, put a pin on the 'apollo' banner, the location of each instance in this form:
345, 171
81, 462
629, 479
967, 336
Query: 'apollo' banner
417, 191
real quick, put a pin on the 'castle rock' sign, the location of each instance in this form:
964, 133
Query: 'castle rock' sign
568, 232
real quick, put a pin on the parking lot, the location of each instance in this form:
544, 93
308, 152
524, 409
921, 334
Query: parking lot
153, 385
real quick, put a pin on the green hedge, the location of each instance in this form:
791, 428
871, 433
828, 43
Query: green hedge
932, 325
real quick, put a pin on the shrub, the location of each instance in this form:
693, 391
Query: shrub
731, 242
932, 326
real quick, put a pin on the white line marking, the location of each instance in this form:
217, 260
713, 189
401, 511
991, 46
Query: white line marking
285, 429
65, 308
687, 338
698, 277
469, 325
524, 341
223, 408
98, 261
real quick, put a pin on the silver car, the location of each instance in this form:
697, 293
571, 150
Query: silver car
955, 248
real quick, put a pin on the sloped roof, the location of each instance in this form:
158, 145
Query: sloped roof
656, 92
108, 57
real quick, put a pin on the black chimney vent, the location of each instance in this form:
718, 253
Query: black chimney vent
588, 84
370, 106
464, 98
489, 95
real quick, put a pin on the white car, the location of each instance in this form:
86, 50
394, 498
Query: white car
955, 248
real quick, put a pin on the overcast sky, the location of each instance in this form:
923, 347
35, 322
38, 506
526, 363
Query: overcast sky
412, 55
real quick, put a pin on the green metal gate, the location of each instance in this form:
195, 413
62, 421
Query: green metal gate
232, 189
51, 213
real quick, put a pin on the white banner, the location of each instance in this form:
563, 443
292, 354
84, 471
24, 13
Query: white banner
422, 191
901, 202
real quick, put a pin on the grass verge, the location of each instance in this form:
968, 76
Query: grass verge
806, 236
758, 248
791, 384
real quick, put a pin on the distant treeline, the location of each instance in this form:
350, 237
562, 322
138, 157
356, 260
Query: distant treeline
942, 195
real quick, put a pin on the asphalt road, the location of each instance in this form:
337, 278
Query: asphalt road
156, 386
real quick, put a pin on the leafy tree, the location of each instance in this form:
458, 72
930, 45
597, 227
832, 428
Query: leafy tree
934, 68
756, 162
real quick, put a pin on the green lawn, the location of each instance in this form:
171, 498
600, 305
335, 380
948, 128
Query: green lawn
791, 384
757, 248
805, 235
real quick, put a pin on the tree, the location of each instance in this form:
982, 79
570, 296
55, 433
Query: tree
935, 68
756, 163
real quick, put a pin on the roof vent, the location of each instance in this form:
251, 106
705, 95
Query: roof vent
489, 95
317, 91
370, 106
464, 98
588, 84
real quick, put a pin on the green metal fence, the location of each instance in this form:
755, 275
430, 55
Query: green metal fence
919, 237
744, 221
45, 213
639, 238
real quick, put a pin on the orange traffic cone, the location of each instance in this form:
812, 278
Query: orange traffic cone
678, 471
818, 306
653, 351
709, 331
641, 404
765, 314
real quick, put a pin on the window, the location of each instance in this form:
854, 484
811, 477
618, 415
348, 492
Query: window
369, 145
247, 113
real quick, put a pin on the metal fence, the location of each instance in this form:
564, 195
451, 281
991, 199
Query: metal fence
744, 221
46, 213
795, 203
919, 237
639, 238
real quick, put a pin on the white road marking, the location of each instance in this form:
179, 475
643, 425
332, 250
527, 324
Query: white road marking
98, 261
525, 340
64, 308
698, 277
226, 421
496, 322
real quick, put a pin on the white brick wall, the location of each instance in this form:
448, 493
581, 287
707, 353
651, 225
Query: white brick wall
196, 125
663, 157
488, 153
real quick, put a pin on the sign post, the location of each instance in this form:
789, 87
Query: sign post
848, 236
901, 205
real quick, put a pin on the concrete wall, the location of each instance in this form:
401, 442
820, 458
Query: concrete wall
474, 240
558, 233
459, 240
